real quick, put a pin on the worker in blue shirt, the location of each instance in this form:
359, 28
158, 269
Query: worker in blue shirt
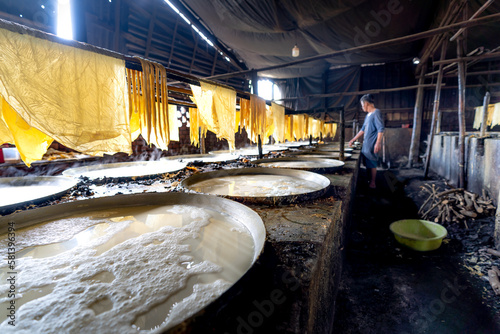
373, 131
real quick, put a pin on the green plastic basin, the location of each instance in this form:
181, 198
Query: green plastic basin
420, 235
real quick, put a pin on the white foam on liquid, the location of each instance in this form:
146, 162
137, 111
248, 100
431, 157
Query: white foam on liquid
256, 185
124, 264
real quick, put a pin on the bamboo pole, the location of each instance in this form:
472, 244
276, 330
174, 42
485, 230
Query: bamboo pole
437, 97
479, 11
490, 55
461, 114
486, 103
417, 121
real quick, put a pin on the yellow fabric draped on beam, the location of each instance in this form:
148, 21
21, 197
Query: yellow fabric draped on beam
194, 127
492, 118
289, 128
76, 97
245, 115
269, 125
257, 118
216, 110
299, 128
278, 113
30, 142
150, 114
330, 130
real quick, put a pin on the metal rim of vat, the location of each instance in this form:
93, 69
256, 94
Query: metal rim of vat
80, 171
205, 158
336, 165
270, 200
252, 221
332, 149
320, 154
66, 183
241, 152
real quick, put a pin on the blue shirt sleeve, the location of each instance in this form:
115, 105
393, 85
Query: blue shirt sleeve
378, 121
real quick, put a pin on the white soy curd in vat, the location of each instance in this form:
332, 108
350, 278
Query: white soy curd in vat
131, 169
256, 185
299, 164
125, 269
16, 194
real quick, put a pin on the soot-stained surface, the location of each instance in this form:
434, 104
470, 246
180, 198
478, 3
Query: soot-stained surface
386, 288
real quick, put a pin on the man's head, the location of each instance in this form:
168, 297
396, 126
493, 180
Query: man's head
367, 102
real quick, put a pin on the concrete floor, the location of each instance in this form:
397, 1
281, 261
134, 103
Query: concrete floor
386, 288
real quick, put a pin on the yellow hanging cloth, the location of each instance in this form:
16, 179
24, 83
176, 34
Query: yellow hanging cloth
289, 128
149, 109
245, 116
237, 123
279, 122
76, 97
269, 125
194, 131
478, 118
496, 115
217, 110
30, 142
257, 117
298, 127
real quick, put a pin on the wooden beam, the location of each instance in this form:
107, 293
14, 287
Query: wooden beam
196, 40
476, 14
151, 28
172, 47
461, 114
463, 59
486, 103
362, 92
435, 113
117, 25
372, 46
436, 40
417, 121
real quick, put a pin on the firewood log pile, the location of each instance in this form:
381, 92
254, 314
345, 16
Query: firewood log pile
454, 205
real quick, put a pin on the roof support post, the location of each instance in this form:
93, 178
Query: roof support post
417, 121
461, 114
486, 103
437, 97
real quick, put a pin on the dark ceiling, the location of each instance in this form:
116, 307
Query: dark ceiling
256, 33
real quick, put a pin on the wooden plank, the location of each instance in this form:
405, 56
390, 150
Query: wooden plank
151, 28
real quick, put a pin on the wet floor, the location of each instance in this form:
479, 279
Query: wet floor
386, 288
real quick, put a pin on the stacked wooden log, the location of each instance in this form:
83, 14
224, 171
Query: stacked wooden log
454, 205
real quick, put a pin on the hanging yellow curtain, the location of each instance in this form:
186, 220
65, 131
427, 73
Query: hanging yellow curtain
330, 129
245, 115
194, 127
30, 142
217, 109
149, 109
289, 128
237, 123
478, 119
279, 122
76, 97
257, 117
298, 127
496, 115
269, 124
